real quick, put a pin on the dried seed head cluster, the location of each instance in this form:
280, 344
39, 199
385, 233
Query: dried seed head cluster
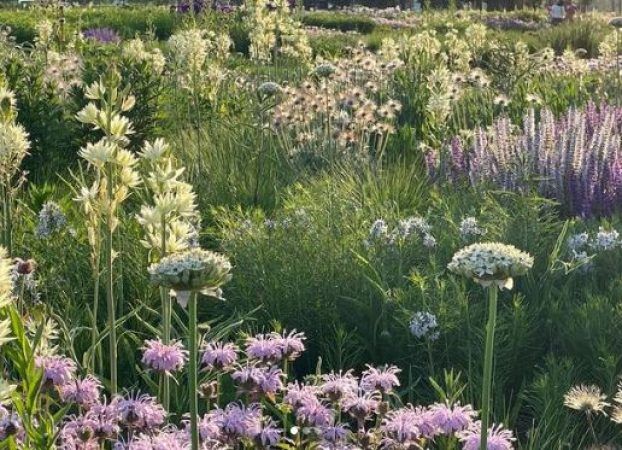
63, 71
337, 110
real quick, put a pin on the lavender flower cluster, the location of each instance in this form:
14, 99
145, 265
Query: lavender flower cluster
333, 411
103, 35
575, 159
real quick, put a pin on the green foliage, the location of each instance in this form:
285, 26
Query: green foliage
126, 21
340, 22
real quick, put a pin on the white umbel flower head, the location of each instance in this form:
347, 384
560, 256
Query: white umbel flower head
191, 270
491, 263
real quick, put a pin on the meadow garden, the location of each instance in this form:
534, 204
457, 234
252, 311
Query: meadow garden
265, 227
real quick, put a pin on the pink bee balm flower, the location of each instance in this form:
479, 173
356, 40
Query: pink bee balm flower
139, 412
58, 370
337, 386
265, 348
164, 357
382, 379
84, 392
292, 343
452, 418
498, 438
220, 356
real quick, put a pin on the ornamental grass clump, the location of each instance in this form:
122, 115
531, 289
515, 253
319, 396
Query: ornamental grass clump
492, 265
190, 272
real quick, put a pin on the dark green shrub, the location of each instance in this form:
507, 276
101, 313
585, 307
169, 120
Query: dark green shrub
341, 22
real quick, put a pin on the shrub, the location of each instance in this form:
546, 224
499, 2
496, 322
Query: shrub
341, 22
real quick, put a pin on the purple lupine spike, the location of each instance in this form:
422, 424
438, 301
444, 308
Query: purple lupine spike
576, 158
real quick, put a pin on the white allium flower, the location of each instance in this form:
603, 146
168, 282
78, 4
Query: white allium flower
424, 324
154, 151
605, 240
414, 224
51, 219
324, 70
191, 270
577, 241
491, 263
469, 228
268, 89
378, 229
429, 241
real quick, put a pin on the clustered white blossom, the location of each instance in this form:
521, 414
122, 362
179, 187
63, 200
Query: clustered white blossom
424, 325
491, 263
583, 248
191, 270
101, 200
170, 223
469, 228
134, 50
605, 240
197, 57
51, 219
14, 143
274, 30
405, 229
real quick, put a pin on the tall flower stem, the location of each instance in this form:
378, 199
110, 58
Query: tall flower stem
166, 325
110, 287
488, 365
192, 370
8, 219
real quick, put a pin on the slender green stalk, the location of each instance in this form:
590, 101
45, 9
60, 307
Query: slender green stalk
8, 219
94, 326
110, 289
192, 370
488, 365
166, 325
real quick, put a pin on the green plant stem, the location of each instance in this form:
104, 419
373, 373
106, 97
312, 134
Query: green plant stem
110, 290
488, 365
8, 219
166, 324
94, 328
192, 370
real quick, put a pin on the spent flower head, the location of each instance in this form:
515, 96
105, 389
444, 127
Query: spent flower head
589, 399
